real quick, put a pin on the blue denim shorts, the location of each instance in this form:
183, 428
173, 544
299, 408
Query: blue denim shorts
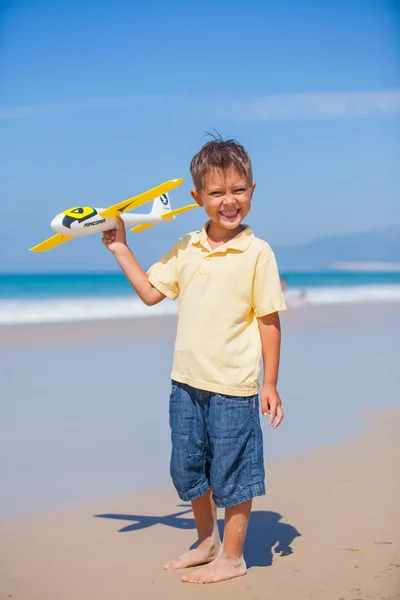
216, 442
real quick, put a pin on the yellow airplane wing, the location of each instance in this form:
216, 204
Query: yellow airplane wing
117, 209
170, 213
143, 227
178, 211
51, 242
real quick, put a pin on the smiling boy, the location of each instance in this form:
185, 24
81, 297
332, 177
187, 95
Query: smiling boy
228, 287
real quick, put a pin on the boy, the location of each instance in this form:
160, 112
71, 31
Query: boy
229, 294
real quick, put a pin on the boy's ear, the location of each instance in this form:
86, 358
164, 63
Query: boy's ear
253, 187
196, 197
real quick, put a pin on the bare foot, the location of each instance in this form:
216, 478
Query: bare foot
220, 569
204, 553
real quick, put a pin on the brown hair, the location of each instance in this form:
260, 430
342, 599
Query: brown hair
220, 154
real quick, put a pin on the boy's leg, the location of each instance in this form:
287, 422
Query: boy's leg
230, 562
205, 514
189, 460
236, 476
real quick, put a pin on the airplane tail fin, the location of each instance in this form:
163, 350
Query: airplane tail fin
161, 206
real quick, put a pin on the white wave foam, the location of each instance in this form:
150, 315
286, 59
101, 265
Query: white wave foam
14, 312
343, 295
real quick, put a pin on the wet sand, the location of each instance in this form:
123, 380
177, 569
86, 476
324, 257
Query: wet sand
328, 318
329, 528
86, 507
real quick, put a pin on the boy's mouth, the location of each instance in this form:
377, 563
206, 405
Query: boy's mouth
230, 215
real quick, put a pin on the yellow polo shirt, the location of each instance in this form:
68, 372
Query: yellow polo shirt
221, 293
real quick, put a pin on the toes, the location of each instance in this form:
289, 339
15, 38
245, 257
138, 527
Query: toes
191, 578
174, 564
195, 578
171, 565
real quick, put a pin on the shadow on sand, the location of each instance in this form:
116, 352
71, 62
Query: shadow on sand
265, 535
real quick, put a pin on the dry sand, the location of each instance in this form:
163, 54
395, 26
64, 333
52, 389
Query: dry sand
329, 528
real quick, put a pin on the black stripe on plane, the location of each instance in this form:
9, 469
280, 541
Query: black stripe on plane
121, 210
67, 220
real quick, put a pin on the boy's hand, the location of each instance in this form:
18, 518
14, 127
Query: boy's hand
271, 404
114, 236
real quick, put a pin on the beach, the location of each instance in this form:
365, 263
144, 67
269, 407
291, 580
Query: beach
86, 506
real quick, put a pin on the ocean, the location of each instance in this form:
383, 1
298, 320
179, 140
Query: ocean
61, 297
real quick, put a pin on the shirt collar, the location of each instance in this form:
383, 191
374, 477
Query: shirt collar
240, 242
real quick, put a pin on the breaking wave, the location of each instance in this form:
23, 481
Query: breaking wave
24, 311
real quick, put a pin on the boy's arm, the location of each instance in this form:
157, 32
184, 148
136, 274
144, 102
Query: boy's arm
270, 333
115, 241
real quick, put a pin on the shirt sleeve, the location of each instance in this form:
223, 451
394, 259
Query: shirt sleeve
267, 290
163, 275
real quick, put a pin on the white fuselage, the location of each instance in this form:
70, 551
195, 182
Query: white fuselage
73, 224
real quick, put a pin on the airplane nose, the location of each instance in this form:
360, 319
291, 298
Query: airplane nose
56, 222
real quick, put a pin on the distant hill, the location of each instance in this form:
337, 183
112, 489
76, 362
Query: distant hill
377, 246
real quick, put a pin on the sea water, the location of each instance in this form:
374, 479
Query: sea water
41, 298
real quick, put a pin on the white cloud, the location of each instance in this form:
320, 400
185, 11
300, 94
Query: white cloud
289, 107
282, 107
332, 105
33, 110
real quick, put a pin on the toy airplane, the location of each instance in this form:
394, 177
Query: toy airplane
84, 220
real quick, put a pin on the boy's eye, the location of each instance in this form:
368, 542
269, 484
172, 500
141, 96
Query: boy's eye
239, 191
215, 193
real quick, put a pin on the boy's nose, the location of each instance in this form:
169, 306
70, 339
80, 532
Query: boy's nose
229, 200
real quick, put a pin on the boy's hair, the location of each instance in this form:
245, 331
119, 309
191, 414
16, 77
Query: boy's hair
220, 154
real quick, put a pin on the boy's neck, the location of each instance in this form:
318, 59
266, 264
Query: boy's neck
217, 236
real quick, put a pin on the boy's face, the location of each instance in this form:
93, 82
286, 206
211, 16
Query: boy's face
226, 197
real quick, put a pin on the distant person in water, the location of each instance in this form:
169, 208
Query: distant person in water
292, 297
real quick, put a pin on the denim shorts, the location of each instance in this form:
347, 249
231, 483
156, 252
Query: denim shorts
216, 442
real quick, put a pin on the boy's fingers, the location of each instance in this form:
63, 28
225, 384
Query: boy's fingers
279, 414
278, 420
273, 415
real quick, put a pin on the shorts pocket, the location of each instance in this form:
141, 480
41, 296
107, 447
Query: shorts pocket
228, 399
231, 417
187, 466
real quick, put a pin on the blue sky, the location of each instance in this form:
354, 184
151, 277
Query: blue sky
102, 100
